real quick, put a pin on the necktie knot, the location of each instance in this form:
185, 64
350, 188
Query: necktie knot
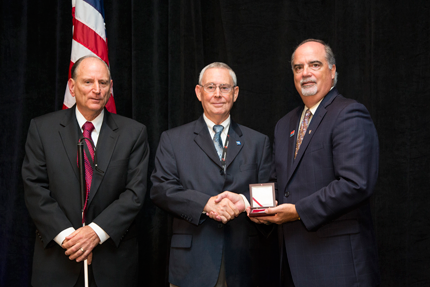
88, 126
218, 128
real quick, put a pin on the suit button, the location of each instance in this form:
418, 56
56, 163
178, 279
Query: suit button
220, 225
287, 194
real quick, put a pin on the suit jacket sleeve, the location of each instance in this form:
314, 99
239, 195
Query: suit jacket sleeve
167, 191
46, 213
355, 157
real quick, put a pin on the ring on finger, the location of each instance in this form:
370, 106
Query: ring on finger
82, 250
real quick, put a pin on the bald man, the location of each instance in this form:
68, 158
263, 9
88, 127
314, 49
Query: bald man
116, 189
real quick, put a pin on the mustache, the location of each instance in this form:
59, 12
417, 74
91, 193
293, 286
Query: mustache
308, 80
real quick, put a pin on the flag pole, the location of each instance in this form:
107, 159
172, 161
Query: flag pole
82, 187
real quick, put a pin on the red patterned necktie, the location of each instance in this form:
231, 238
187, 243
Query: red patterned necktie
302, 131
88, 127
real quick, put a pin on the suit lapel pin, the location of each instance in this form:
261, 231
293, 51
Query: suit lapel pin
292, 133
238, 143
310, 131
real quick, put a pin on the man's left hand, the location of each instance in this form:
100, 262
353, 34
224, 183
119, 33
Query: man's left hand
80, 243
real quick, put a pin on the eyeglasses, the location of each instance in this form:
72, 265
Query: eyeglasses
211, 88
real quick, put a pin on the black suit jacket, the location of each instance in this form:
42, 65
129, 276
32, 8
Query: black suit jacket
330, 182
52, 196
187, 173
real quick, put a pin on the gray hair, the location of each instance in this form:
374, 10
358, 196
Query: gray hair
218, 65
79, 61
329, 55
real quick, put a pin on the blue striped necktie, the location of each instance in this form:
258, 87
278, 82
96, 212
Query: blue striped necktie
217, 139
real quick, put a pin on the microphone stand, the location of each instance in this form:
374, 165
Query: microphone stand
82, 186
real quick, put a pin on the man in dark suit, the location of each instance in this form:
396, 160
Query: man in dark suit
213, 241
326, 160
116, 194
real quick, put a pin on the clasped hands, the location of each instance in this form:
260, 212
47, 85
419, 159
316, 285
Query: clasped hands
225, 206
80, 244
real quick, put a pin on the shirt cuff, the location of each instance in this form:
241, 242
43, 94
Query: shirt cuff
246, 202
63, 234
103, 236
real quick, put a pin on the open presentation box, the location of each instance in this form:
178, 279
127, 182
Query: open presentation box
262, 196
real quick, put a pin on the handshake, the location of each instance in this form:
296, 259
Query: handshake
228, 205
225, 206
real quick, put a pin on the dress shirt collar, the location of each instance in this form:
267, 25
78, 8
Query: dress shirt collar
97, 122
225, 124
314, 108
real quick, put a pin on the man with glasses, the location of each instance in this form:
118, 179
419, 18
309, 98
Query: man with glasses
213, 241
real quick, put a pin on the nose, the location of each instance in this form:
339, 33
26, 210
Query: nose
96, 88
217, 92
306, 71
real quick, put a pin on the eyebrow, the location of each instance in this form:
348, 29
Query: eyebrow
92, 79
310, 62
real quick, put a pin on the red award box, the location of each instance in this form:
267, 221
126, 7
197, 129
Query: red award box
262, 196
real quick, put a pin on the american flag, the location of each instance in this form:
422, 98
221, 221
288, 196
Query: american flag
89, 38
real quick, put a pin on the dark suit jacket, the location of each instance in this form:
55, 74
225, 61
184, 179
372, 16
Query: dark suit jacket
330, 182
187, 173
51, 184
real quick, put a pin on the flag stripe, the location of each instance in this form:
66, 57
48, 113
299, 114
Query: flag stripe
86, 14
69, 101
86, 36
78, 50
98, 5
110, 105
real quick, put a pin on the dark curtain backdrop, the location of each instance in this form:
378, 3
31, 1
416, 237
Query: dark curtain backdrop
156, 50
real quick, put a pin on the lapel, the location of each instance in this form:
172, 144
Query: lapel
313, 127
235, 144
69, 134
204, 141
105, 146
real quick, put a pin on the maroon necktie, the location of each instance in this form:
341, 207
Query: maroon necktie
88, 127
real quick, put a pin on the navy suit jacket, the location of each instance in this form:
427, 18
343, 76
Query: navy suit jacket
330, 182
51, 185
187, 173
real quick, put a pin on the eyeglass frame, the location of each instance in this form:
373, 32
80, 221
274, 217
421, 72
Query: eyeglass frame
218, 87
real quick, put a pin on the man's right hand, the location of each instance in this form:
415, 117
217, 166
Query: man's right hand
223, 211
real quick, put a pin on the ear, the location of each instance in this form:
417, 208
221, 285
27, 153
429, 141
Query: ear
236, 93
333, 71
198, 90
71, 85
